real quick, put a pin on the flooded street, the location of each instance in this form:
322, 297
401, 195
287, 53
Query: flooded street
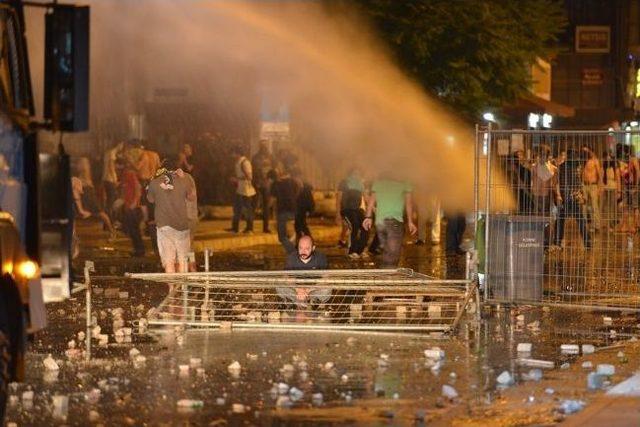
173, 376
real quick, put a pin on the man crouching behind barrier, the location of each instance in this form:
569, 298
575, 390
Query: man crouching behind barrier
305, 258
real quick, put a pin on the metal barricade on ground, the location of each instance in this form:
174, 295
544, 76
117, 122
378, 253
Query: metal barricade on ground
385, 300
557, 215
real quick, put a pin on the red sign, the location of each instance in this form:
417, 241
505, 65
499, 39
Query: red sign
592, 76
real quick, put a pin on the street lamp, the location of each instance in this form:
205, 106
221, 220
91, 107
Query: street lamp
489, 117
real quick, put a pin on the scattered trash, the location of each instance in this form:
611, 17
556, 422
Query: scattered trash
621, 357
134, 352
295, 394
571, 406
383, 361
328, 366
613, 333
93, 396
195, 362
565, 365
183, 369
317, 399
453, 375
608, 321
605, 369
520, 318
200, 372
536, 363
569, 349
283, 388
524, 347
344, 378
588, 349
234, 368
94, 416
449, 392
220, 401
587, 365
549, 391
283, 402
27, 395
252, 356
190, 403
434, 353
533, 375
238, 408
50, 364
505, 379
60, 406
595, 381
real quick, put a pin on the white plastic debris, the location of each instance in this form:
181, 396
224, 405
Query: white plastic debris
94, 416
283, 402
449, 392
60, 406
220, 401
505, 378
234, 368
71, 344
134, 352
93, 396
344, 378
295, 394
569, 349
27, 395
535, 363
565, 365
524, 347
549, 391
317, 399
252, 356
283, 388
607, 321
139, 359
195, 362
200, 372
183, 369
434, 353
328, 366
533, 375
190, 403
238, 408
595, 381
587, 365
613, 333
520, 318
605, 369
588, 349
571, 406
50, 364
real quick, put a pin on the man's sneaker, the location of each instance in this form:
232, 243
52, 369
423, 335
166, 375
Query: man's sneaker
354, 256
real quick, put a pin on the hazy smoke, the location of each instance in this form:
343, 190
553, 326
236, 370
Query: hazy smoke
348, 102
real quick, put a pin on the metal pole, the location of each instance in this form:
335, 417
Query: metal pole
361, 272
88, 267
487, 215
205, 304
206, 260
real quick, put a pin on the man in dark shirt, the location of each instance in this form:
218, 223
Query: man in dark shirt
306, 258
569, 167
285, 190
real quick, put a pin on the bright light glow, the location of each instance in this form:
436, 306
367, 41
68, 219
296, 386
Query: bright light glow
628, 128
546, 120
634, 124
28, 269
450, 140
610, 129
489, 117
533, 120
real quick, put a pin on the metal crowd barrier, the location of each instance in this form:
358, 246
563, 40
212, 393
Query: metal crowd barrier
557, 217
383, 300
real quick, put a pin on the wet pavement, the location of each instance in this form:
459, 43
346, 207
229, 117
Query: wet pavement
303, 378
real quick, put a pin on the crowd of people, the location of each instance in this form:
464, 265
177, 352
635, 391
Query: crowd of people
146, 193
600, 190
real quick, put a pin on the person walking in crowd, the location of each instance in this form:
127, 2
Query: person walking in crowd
592, 187
429, 213
456, 224
245, 192
390, 198
170, 191
262, 163
131, 209
85, 197
147, 165
305, 258
612, 192
305, 205
110, 180
349, 199
629, 172
184, 159
285, 190
570, 184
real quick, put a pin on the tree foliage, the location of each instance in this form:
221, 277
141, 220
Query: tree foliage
472, 54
